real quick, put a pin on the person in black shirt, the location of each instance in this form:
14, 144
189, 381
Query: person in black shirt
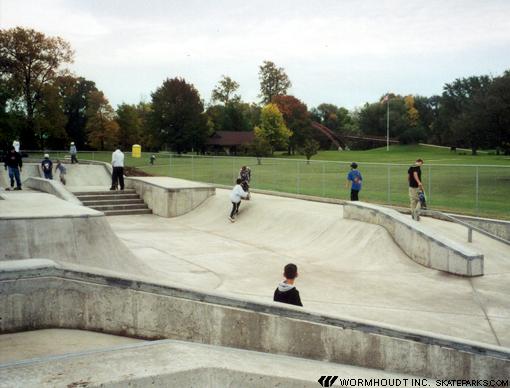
415, 186
286, 292
13, 162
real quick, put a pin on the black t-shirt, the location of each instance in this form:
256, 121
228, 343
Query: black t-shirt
291, 296
411, 171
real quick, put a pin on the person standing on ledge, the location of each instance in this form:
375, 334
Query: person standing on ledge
354, 178
415, 187
73, 151
14, 164
286, 292
118, 169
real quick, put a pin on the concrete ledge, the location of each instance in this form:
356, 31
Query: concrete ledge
170, 363
52, 187
420, 243
170, 197
64, 298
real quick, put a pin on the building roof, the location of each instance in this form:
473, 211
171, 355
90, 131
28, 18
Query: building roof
230, 138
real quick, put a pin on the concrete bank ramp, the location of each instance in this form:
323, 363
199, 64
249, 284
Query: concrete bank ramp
87, 177
39, 225
28, 170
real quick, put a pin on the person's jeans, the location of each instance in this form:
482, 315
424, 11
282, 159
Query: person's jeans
235, 209
118, 178
14, 174
73, 159
415, 201
48, 175
354, 195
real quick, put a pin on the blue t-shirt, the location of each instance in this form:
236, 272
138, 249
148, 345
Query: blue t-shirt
355, 177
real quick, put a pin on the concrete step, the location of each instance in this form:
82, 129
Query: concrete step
103, 208
127, 212
105, 192
110, 197
132, 201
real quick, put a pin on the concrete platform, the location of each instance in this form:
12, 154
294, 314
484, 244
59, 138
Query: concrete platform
346, 267
51, 342
165, 363
40, 225
170, 197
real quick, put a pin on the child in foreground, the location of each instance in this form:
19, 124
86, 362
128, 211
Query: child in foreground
286, 292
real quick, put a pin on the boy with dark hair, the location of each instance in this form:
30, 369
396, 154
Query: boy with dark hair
286, 292
62, 171
355, 178
235, 197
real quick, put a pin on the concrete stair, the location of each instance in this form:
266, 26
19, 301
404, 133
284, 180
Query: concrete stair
114, 203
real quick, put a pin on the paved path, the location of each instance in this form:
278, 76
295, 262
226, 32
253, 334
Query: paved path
346, 267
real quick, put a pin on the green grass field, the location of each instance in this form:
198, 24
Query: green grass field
450, 178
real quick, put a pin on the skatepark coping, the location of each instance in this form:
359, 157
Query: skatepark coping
419, 242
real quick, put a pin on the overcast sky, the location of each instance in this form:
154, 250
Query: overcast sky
341, 52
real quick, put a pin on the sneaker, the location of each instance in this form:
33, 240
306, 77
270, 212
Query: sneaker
17, 188
231, 219
113, 188
8, 188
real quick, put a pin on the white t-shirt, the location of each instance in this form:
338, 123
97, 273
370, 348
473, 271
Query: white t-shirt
118, 158
15, 144
237, 193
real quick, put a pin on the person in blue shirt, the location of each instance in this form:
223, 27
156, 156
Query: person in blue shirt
354, 178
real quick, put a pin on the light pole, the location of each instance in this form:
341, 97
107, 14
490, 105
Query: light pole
387, 98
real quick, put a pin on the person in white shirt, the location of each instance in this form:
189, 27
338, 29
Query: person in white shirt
15, 144
235, 196
118, 169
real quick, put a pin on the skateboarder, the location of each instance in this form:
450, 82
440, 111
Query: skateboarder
73, 152
62, 171
354, 178
245, 175
235, 197
13, 163
286, 292
47, 167
415, 186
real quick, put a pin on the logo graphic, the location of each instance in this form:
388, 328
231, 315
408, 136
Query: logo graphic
327, 381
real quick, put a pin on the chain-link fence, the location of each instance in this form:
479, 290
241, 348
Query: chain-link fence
469, 189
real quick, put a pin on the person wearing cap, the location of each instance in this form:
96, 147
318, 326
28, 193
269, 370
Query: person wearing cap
14, 164
354, 178
47, 167
73, 151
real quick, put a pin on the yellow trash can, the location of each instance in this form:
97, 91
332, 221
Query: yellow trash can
136, 151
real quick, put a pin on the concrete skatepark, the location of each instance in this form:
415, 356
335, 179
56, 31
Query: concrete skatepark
193, 292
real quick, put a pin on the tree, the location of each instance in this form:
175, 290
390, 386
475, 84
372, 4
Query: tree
259, 147
224, 91
50, 119
297, 119
310, 149
464, 103
29, 60
273, 81
498, 109
75, 93
272, 127
102, 129
177, 115
130, 124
